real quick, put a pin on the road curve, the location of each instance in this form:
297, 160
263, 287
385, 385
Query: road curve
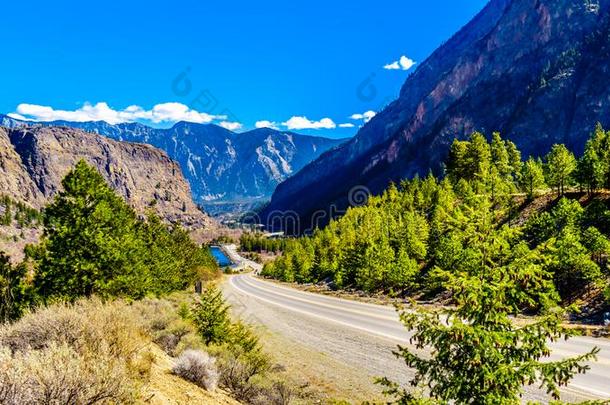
382, 322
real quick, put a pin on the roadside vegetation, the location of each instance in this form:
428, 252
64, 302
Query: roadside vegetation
258, 243
100, 302
473, 238
398, 242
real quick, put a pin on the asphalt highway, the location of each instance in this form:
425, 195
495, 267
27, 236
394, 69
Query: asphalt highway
383, 322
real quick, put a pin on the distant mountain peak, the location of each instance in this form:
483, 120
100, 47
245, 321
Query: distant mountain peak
537, 71
218, 163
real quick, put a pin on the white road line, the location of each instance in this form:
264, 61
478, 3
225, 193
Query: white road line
301, 296
294, 297
316, 315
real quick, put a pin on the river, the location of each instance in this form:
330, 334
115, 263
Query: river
220, 256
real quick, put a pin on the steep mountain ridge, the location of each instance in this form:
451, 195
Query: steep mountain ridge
535, 70
220, 165
34, 160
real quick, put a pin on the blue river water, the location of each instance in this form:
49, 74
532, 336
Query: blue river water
220, 256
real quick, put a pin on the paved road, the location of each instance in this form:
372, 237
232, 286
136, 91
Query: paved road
382, 322
240, 262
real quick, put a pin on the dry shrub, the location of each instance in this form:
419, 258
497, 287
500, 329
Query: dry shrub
87, 326
279, 393
198, 367
241, 372
58, 374
154, 315
86, 352
169, 339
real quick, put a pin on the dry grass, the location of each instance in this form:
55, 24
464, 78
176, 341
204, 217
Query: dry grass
87, 352
61, 375
94, 352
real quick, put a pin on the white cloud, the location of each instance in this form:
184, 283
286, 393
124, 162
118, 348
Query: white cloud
392, 66
347, 125
266, 124
231, 126
404, 63
305, 123
365, 116
165, 112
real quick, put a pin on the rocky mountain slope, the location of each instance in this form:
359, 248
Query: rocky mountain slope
33, 161
219, 164
535, 70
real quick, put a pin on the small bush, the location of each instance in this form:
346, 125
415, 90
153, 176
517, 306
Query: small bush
87, 326
168, 339
210, 315
240, 371
86, 352
198, 367
60, 375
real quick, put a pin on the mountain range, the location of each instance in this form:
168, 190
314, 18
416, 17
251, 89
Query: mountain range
220, 165
34, 160
538, 71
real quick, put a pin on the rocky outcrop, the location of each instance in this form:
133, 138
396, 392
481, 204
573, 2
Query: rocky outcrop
220, 165
34, 160
535, 70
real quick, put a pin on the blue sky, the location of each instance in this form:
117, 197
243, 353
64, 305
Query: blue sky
240, 62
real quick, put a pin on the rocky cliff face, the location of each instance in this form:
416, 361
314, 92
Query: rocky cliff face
535, 70
34, 160
219, 164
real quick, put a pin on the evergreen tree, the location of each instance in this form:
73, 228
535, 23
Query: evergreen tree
91, 244
514, 158
532, 177
561, 164
211, 317
478, 355
173, 261
500, 156
16, 294
570, 262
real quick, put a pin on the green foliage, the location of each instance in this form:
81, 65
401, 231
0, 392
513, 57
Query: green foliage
15, 290
570, 262
211, 317
532, 177
95, 244
479, 356
91, 243
394, 242
594, 166
257, 242
173, 259
12, 211
561, 165
377, 247
572, 250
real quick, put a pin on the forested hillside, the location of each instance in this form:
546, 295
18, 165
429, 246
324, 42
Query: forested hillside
537, 71
549, 214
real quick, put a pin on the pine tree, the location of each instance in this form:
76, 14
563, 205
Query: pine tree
91, 244
532, 177
16, 294
561, 164
211, 317
478, 355
500, 156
